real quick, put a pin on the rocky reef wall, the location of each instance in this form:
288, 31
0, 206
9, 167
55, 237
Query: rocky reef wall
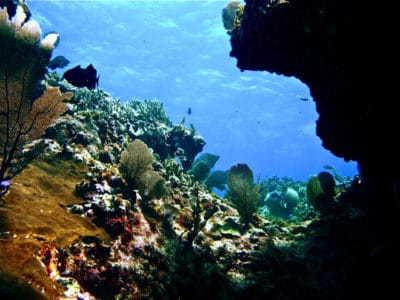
339, 50
342, 50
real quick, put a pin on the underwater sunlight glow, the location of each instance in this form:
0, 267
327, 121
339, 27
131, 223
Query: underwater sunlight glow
178, 52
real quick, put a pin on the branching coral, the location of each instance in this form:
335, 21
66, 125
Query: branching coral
200, 215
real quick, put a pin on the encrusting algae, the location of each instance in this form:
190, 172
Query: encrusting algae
33, 216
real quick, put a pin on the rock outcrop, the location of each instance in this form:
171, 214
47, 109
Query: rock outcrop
342, 52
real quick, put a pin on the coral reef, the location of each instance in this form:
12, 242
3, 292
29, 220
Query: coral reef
284, 198
129, 243
105, 126
185, 144
75, 225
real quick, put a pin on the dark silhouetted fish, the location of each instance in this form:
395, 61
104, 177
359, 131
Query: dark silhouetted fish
58, 62
189, 111
82, 77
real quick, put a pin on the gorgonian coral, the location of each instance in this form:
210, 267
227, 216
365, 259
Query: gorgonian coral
23, 60
242, 192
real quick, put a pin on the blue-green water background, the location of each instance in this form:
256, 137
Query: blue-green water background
178, 52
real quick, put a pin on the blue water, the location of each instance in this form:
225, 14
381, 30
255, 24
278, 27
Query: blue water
178, 52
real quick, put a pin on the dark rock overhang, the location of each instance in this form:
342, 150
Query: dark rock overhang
340, 49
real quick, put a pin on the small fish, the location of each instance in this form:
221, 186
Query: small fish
304, 99
189, 111
80, 77
183, 121
58, 62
